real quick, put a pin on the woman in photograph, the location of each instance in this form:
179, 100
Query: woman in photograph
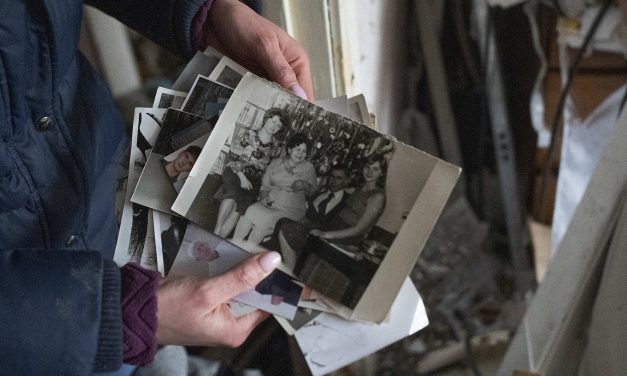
242, 176
178, 169
362, 208
286, 184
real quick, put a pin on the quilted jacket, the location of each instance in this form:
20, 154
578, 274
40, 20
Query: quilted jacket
60, 142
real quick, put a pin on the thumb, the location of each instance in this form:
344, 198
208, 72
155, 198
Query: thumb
246, 275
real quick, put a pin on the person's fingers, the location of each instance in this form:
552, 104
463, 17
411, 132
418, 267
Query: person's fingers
246, 275
273, 61
280, 71
303, 75
259, 45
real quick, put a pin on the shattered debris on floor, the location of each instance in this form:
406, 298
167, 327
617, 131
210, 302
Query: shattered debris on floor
468, 289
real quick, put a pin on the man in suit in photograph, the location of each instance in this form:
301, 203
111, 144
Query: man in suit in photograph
330, 201
320, 209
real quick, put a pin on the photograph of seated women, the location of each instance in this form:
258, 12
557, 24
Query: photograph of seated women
367, 184
348, 226
333, 257
286, 184
362, 208
242, 176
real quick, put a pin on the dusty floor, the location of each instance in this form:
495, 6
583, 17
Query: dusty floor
469, 289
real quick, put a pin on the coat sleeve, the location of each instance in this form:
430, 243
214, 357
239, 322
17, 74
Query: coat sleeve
59, 312
167, 22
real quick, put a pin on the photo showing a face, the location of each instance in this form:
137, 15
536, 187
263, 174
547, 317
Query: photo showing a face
382, 180
203, 251
372, 171
273, 125
298, 153
184, 162
337, 180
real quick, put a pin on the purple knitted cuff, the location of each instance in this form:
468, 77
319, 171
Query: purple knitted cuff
139, 313
198, 23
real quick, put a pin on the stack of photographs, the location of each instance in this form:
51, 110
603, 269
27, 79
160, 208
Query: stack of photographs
227, 164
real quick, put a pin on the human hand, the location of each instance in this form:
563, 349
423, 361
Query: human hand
259, 45
300, 185
316, 232
194, 312
244, 182
266, 201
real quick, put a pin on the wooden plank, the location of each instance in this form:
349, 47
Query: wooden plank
607, 334
500, 126
541, 241
574, 270
438, 87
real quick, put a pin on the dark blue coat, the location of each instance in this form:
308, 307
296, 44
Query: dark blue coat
60, 137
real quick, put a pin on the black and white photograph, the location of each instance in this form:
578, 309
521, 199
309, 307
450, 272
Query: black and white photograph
155, 188
304, 174
179, 163
228, 73
329, 194
135, 228
203, 254
149, 255
206, 98
169, 232
166, 98
201, 64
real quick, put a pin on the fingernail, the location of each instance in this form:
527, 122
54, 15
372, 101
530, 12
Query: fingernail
296, 89
269, 261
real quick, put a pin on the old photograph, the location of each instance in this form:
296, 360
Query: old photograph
204, 254
169, 232
297, 178
208, 196
155, 188
179, 163
134, 224
166, 98
228, 73
201, 64
206, 98
328, 193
